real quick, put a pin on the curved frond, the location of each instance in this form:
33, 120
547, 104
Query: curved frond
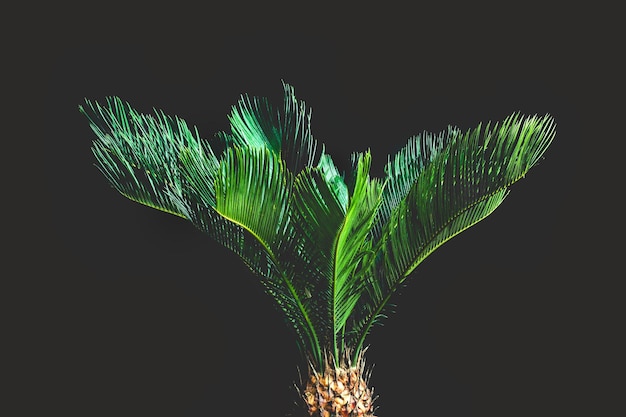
273, 276
402, 171
256, 123
253, 124
352, 242
475, 167
336, 241
318, 217
254, 191
138, 153
335, 182
299, 149
462, 185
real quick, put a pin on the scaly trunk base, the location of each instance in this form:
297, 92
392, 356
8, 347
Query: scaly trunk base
339, 391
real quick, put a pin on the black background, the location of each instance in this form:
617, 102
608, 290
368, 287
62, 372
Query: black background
136, 313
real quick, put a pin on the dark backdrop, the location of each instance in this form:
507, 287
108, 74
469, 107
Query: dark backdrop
143, 315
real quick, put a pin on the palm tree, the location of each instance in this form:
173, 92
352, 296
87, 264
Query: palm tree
330, 248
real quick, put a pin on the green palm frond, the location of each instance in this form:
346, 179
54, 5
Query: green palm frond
402, 171
353, 245
462, 185
253, 189
317, 215
184, 177
253, 123
274, 277
476, 166
256, 123
336, 233
138, 153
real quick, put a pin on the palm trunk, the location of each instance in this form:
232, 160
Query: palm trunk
340, 390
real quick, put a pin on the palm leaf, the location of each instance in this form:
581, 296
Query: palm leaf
254, 191
318, 216
157, 161
403, 170
256, 123
298, 148
320, 201
462, 185
336, 233
353, 245
138, 153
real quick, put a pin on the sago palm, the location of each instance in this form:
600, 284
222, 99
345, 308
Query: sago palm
330, 248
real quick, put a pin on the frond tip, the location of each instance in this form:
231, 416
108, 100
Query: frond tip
139, 153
